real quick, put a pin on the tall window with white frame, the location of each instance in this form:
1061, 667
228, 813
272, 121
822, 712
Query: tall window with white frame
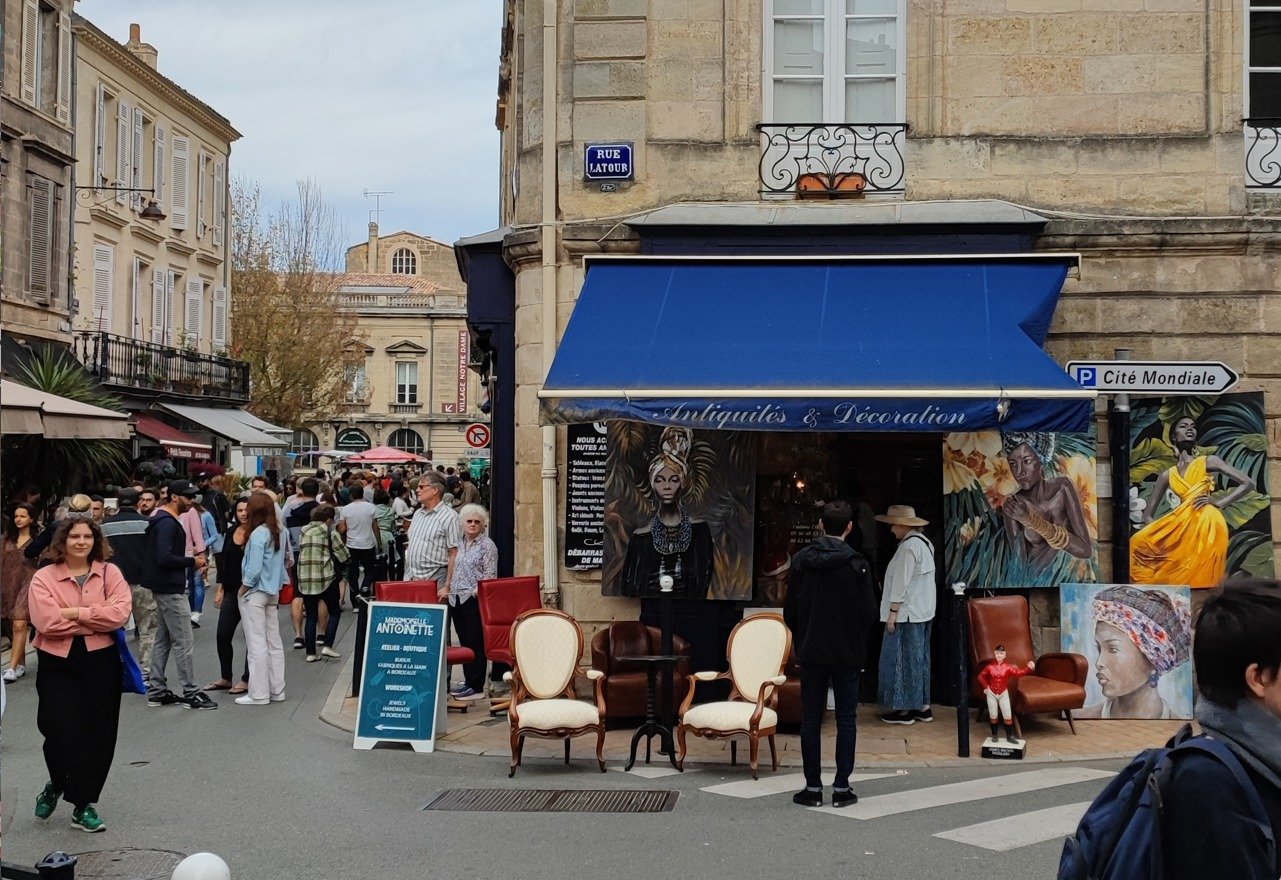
357, 389
1263, 94
407, 383
834, 74
834, 61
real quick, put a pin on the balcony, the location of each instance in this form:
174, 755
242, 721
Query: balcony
1263, 153
831, 160
404, 409
135, 366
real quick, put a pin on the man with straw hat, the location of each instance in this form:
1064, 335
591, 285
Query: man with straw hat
907, 609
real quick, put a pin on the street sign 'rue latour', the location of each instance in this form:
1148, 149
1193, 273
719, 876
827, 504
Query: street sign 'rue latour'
1153, 377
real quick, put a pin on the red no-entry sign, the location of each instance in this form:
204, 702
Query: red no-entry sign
477, 435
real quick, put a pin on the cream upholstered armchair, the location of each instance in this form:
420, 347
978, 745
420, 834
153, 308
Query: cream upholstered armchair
546, 645
758, 648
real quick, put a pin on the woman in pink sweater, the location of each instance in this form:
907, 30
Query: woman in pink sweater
76, 605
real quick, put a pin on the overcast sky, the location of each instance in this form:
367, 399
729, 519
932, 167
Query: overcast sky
396, 95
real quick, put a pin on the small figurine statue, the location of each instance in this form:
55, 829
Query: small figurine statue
995, 678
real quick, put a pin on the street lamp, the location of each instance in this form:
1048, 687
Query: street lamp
150, 211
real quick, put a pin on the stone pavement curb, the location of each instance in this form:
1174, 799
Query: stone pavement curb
336, 713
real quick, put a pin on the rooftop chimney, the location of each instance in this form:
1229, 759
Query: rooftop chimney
371, 252
144, 52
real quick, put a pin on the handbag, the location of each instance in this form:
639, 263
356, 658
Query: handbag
130, 673
287, 594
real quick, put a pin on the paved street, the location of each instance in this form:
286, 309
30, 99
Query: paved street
278, 793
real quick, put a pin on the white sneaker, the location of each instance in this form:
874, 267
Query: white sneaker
312, 658
330, 652
195, 617
278, 698
12, 675
247, 700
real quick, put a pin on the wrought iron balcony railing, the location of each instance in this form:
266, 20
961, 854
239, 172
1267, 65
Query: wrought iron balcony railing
1263, 153
831, 159
135, 365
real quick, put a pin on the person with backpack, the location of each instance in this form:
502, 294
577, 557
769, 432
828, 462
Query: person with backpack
1209, 805
907, 609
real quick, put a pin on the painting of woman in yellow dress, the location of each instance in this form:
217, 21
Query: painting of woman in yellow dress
1189, 544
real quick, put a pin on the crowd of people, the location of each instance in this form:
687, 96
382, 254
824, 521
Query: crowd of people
92, 574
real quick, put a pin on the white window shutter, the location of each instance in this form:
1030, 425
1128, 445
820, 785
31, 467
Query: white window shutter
178, 207
39, 280
100, 137
137, 158
135, 300
171, 281
158, 310
104, 260
30, 49
202, 193
124, 140
158, 164
195, 309
219, 201
63, 107
219, 329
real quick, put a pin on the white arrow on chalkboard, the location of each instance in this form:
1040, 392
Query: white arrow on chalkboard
389, 727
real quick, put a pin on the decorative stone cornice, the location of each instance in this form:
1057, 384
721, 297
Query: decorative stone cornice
89, 34
1175, 236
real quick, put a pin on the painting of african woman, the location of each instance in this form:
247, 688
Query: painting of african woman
1199, 499
678, 504
1138, 642
1020, 508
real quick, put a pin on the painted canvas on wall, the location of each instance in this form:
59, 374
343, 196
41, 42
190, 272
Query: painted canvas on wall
1199, 498
1138, 640
1020, 508
678, 503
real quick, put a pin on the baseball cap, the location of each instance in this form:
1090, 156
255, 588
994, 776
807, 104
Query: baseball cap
128, 497
184, 488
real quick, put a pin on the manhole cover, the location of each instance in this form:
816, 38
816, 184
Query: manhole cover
498, 800
127, 864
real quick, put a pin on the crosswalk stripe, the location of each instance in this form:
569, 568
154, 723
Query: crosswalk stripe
1025, 829
963, 792
652, 772
774, 784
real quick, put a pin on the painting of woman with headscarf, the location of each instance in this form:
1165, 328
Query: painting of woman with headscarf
1138, 641
678, 504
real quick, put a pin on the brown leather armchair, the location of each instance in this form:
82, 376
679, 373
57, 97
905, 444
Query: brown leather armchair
789, 694
625, 684
1057, 685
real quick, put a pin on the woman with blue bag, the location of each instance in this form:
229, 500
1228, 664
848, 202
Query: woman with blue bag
78, 605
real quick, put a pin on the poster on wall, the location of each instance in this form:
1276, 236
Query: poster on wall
586, 449
1020, 509
1138, 641
679, 503
1199, 499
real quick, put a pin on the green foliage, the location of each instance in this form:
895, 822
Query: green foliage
61, 467
1250, 553
1243, 510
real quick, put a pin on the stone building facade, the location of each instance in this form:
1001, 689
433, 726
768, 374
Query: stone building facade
1133, 128
35, 171
406, 253
414, 390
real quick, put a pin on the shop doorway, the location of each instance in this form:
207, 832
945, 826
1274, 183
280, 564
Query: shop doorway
797, 472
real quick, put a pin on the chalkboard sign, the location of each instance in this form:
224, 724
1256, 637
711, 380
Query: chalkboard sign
402, 691
585, 496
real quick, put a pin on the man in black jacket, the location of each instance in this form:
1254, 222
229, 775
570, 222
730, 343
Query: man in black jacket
830, 609
1208, 827
126, 532
166, 577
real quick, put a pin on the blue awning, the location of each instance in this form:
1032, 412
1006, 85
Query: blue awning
860, 344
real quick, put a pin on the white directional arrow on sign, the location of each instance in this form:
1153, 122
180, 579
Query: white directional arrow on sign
389, 727
1153, 377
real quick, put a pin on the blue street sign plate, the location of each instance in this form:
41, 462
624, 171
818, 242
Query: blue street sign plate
608, 162
402, 682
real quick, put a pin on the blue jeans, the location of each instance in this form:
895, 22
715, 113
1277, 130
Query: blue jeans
815, 680
196, 590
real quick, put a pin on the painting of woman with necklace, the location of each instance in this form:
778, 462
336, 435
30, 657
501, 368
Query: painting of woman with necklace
671, 543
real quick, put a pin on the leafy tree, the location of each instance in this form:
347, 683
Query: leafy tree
287, 319
51, 468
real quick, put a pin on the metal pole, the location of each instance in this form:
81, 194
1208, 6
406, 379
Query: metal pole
666, 625
1119, 445
959, 630
357, 667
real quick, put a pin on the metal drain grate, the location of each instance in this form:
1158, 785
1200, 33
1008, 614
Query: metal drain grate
499, 800
127, 864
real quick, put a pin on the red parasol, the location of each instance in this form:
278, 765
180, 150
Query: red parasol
384, 455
